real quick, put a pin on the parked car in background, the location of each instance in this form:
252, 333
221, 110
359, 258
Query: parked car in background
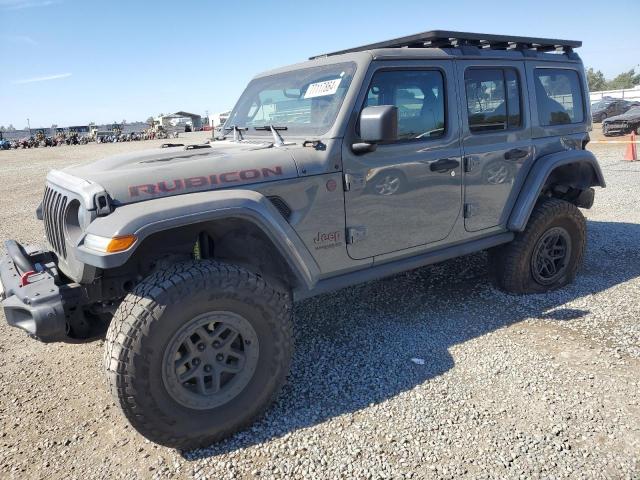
622, 124
610, 107
4, 144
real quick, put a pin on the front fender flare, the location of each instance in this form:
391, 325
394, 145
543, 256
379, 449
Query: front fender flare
146, 218
538, 176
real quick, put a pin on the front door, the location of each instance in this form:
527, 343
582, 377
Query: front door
496, 138
406, 193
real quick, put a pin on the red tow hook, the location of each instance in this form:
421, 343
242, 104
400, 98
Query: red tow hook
24, 279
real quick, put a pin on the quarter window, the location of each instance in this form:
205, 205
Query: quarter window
559, 96
493, 99
419, 96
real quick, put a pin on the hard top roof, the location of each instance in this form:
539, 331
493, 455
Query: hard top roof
450, 39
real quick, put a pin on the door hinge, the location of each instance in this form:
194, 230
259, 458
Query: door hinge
470, 209
353, 182
470, 163
356, 234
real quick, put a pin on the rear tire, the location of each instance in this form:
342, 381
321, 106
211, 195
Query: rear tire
546, 255
188, 319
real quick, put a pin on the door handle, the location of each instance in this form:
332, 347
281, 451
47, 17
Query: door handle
516, 154
444, 165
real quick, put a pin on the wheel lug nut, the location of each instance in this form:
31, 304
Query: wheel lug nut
219, 357
195, 362
201, 347
207, 368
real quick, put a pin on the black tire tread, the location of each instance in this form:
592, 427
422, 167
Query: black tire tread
507, 266
143, 306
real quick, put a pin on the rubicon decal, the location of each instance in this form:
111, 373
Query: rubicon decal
200, 183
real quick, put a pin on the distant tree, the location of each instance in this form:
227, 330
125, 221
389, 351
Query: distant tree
2, 129
625, 80
54, 126
149, 121
11, 128
596, 80
124, 122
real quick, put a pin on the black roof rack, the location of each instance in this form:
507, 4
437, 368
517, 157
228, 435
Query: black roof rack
448, 39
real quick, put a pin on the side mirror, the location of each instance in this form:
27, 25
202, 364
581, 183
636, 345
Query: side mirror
378, 124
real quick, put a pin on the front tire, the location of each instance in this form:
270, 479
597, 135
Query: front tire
197, 351
546, 255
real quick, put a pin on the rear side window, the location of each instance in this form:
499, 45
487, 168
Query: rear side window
493, 99
559, 96
419, 96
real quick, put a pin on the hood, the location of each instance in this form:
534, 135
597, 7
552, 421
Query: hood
170, 171
633, 114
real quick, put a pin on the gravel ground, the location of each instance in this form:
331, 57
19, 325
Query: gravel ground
543, 386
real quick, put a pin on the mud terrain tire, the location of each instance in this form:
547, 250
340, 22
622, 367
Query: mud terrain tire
530, 263
138, 352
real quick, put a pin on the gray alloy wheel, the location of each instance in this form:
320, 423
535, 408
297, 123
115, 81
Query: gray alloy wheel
197, 351
546, 255
210, 360
551, 256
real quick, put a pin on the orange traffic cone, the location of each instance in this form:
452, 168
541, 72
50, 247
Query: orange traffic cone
632, 149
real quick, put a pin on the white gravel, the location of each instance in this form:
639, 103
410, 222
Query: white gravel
544, 386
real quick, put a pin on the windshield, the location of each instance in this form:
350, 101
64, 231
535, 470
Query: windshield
304, 102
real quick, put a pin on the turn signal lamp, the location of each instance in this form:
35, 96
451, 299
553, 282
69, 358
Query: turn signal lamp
109, 245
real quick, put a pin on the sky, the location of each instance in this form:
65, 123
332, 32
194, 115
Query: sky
72, 62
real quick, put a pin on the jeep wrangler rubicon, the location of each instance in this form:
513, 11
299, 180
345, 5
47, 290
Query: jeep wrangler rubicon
349, 167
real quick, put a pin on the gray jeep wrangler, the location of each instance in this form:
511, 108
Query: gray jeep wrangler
349, 167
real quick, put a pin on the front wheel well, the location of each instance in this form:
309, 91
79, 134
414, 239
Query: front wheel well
231, 240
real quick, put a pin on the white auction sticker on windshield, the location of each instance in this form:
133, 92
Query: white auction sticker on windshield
320, 89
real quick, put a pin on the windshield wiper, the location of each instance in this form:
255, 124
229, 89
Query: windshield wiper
237, 132
278, 141
271, 127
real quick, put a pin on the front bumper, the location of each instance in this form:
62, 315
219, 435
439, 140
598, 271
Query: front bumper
39, 305
617, 127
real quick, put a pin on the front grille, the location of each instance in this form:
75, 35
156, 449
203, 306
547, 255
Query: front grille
53, 210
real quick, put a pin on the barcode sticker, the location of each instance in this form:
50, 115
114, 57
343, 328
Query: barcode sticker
320, 89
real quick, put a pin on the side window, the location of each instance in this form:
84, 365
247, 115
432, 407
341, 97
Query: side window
493, 99
419, 96
513, 98
559, 96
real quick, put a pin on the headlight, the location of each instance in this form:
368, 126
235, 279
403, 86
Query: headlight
109, 244
76, 221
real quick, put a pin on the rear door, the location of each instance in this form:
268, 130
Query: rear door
496, 138
409, 192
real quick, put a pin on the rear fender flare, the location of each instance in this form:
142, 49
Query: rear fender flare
143, 219
538, 176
